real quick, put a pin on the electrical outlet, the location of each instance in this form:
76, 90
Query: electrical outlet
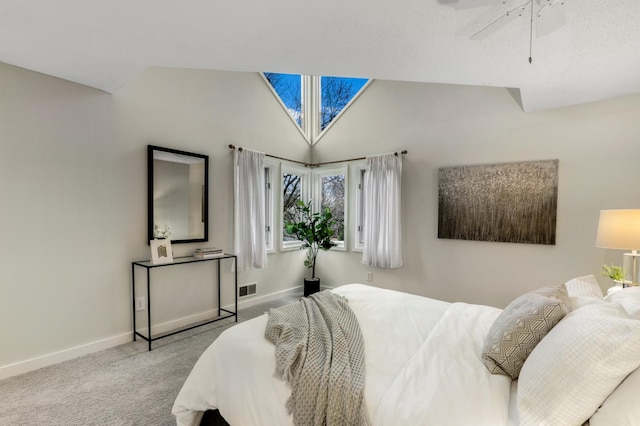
140, 304
369, 276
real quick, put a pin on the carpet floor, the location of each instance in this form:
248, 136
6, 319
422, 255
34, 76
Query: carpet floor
124, 385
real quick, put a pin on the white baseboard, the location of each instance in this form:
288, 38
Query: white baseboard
78, 351
64, 355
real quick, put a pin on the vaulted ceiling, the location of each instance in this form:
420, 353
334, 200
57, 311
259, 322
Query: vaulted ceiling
105, 43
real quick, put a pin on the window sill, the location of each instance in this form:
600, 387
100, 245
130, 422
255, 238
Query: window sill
291, 246
339, 247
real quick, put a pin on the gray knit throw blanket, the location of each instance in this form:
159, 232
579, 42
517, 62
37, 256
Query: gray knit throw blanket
320, 354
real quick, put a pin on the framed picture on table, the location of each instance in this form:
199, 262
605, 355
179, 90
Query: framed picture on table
161, 252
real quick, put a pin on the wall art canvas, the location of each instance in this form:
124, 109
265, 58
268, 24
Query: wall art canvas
509, 202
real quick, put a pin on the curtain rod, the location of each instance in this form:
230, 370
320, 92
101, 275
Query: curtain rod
273, 156
403, 152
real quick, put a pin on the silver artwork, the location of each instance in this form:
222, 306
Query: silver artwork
510, 202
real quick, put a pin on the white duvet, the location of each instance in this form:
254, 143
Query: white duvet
422, 361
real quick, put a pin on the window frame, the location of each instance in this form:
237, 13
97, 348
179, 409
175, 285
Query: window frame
304, 195
358, 228
270, 169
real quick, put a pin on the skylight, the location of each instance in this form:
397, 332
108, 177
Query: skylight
288, 87
326, 98
336, 93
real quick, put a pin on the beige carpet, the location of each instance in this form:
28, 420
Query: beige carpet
125, 385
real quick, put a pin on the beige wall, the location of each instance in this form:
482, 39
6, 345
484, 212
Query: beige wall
598, 147
73, 173
64, 239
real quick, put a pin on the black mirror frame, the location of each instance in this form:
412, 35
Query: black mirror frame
150, 150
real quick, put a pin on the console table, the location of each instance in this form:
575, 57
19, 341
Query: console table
222, 313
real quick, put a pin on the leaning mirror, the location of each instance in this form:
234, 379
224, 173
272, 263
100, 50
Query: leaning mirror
178, 201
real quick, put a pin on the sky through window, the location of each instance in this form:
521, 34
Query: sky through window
328, 98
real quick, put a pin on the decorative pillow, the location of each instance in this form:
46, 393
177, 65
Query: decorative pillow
583, 291
519, 328
577, 365
621, 408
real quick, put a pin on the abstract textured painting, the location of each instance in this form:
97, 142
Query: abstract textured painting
509, 202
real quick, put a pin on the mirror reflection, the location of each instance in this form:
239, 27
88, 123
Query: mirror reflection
178, 195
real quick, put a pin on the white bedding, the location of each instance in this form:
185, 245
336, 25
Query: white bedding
422, 360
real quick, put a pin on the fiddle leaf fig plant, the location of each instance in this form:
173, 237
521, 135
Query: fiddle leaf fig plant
613, 271
315, 230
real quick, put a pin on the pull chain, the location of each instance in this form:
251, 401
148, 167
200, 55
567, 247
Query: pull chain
531, 34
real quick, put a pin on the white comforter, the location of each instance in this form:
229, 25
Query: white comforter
422, 360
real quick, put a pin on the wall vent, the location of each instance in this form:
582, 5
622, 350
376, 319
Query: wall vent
247, 289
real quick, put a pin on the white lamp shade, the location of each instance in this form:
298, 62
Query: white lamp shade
619, 229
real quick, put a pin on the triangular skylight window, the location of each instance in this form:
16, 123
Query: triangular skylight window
314, 102
337, 93
288, 87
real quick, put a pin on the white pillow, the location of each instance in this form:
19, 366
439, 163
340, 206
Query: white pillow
577, 365
583, 291
622, 407
629, 298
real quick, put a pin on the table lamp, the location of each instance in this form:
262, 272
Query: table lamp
620, 230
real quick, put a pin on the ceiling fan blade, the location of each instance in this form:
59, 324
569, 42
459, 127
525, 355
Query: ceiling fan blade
500, 23
550, 17
469, 4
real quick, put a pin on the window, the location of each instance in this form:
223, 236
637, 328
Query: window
330, 185
327, 187
336, 94
294, 181
288, 87
313, 102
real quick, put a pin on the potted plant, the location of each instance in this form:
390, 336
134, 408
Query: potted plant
315, 230
616, 274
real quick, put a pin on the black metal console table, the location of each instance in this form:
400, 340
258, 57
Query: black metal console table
179, 261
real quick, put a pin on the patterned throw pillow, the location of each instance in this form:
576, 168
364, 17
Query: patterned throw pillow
521, 326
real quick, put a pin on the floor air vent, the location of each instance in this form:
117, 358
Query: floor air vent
247, 290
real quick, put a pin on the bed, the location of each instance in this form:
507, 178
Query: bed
430, 362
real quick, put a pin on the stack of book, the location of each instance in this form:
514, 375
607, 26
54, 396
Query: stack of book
208, 253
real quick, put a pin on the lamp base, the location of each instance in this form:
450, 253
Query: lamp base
630, 266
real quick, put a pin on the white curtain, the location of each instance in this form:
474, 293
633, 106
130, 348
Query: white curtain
382, 211
249, 214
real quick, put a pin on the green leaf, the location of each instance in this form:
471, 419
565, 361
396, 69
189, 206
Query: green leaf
315, 230
614, 272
